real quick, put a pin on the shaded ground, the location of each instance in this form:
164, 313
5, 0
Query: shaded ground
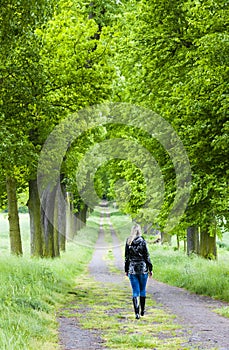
202, 328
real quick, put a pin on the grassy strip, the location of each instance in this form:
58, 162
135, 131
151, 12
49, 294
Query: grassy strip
32, 290
197, 275
108, 309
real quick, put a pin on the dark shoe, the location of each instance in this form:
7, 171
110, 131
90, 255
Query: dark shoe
136, 307
142, 303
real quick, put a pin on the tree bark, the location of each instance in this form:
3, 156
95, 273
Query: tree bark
13, 217
185, 245
62, 212
69, 217
193, 244
166, 238
208, 248
56, 240
85, 214
59, 221
78, 222
36, 232
47, 217
178, 242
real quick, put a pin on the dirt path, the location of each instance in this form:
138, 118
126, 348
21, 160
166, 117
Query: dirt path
202, 328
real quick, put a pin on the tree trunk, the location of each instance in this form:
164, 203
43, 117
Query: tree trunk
62, 230
178, 242
193, 244
83, 214
208, 248
56, 239
166, 238
69, 217
62, 212
47, 216
74, 224
56, 224
78, 222
34, 205
185, 245
13, 217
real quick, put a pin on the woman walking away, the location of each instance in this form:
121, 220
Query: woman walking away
137, 267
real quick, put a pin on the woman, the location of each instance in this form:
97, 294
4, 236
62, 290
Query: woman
137, 267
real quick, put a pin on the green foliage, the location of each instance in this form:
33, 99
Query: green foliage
53, 62
58, 57
22, 80
74, 61
74, 56
172, 57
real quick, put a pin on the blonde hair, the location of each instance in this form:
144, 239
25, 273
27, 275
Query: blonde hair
135, 232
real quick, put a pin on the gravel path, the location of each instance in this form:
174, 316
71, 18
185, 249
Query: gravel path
202, 328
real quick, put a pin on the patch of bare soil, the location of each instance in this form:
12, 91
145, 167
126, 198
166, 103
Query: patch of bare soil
202, 327
74, 337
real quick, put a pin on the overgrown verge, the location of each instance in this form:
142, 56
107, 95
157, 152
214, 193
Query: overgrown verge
32, 290
197, 275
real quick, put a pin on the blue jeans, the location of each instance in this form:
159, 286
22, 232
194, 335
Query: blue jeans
138, 284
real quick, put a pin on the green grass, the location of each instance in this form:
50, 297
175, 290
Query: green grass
197, 275
224, 311
4, 234
32, 290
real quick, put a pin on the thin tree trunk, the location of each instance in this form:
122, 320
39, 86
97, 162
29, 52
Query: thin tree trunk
178, 242
14, 226
82, 216
36, 232
47, 215
69, 217
56, 240
74, 224
56, 232
78, 222
185, 245
193, 244
62, 212
62, 231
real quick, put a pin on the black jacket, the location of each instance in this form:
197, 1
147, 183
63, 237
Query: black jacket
137, 259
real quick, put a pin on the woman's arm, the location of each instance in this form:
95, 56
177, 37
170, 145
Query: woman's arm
147, 258
127, 260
